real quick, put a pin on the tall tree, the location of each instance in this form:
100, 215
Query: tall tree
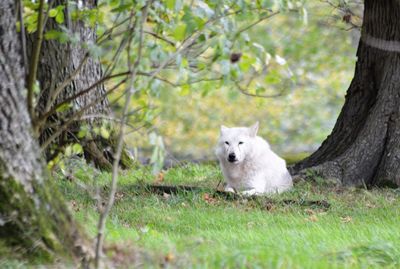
65, 70
32, 214
364, 146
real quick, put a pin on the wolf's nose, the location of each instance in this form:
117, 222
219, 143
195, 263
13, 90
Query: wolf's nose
231, 157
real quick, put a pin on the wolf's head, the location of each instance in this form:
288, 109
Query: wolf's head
235, 143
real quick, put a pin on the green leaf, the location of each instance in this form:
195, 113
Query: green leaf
272, 78
52, 34
68, 151
121, 8
60, 17
246, 62
64, 107
185, 90
170, 4
180, 31
77, 148
104, 132
53, 12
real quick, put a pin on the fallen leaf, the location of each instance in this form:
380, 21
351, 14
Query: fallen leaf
312, 218
209, 199
369, 205
159, 177
346, 219
309, 211
75, 206
119, 196
169, 257
270, 206
250, 224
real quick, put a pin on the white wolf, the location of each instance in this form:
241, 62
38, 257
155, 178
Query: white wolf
248, 163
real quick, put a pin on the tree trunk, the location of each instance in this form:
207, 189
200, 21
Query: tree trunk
32, 214
57, 63
364, 146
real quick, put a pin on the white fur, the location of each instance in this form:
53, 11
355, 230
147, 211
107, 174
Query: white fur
258, 170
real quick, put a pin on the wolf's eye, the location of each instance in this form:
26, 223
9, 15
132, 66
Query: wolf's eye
240, 143
226, 142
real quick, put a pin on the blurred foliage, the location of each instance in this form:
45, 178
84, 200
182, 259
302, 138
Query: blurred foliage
314, 50
204, 61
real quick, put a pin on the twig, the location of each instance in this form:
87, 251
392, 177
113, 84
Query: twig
78, 94
76, 115
246, 92
54, 94
117, 155
35, 60
256, 22
161, 38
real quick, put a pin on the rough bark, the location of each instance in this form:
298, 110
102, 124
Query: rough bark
364, 146
57, 63
32, 215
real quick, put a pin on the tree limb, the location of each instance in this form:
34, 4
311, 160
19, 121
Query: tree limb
35, 60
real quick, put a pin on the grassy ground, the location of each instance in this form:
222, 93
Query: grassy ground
359, 229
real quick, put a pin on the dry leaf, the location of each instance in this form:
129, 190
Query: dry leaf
346, 219
309, 211
119, 196
369, 205
209, 199
159, 177
169, 257
312, 218
75, 206
166, 196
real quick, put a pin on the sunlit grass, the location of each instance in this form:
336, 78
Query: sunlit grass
359, 230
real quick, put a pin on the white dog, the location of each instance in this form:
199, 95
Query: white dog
248, 163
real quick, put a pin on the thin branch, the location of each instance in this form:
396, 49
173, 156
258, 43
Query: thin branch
54, 94
78, 94
114, 60
117, 155
109, 31
76, 115
161, 38
246, 92
256, 22
35, 60
66, 82
105, 117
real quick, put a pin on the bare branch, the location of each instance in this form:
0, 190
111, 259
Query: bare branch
117, 155
161, 38
244, 29
35, 60
54, 94
78, 94
76, 115
246, 92
109, 31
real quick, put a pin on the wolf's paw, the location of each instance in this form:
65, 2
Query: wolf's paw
229, 189
250, 192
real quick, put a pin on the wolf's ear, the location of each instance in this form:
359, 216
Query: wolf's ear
223, 128
253, 129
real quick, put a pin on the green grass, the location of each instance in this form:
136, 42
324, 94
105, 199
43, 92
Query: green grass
360, 229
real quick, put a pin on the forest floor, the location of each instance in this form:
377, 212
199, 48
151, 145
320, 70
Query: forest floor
316, 225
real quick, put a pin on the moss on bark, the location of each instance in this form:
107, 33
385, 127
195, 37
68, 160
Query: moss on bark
39, 222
